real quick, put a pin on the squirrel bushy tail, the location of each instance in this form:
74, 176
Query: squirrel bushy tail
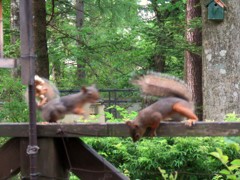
44, 91
158, 84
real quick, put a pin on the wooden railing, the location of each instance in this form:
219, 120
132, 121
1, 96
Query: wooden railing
166, 129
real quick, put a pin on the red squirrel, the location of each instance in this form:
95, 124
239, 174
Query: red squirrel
44, 91
56, 109
176, 104
53, 107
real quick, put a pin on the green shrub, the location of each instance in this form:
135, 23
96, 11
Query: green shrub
188, 156
231, 169
13, 106
141, 160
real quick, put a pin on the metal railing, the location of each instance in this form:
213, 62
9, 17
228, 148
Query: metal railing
113, 98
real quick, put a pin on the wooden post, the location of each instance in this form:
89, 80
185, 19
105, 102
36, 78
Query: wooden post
1, 31
49, 160
28, 72
27, 43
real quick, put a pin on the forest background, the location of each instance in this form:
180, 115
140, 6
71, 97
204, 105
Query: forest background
106, 43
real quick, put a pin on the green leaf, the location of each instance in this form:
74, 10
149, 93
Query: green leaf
225, 172
236, 162
233, 167
215, 154
231, 177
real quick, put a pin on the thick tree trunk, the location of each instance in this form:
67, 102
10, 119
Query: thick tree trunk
193, 62
79, 24
15, 27
221, 63
40, 43
157, 63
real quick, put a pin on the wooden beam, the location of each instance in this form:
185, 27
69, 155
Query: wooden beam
10, 159
166, 129
86, 163
8, 63
49, 160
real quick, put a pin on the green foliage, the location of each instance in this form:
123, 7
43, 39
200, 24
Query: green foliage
116, 39
168, 176
188, 156
73, 177
231, 169
14, 107
232, 117
124, 114
6, 21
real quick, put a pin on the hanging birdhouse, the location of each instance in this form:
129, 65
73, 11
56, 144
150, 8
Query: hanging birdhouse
215, 10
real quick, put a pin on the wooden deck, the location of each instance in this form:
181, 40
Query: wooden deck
166, 129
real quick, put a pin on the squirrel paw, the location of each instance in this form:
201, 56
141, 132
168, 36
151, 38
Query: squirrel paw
190, 122
79, 111
153, 133
44, 123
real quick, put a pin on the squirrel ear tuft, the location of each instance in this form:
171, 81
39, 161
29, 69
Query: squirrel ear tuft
84, 89
129, 123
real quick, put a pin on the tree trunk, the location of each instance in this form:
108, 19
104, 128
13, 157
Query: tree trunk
193, 61
79, 24
158, 63
221, 63
15, 28
40, 43
158, 60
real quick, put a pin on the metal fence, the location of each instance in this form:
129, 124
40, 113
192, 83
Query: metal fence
113, 97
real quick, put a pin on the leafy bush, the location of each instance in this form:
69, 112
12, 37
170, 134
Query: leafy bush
188, 156
231, 169
141, 160
232, 117
123, 113
14, 107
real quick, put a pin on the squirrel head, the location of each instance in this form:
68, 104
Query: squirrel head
136, 132
91, 93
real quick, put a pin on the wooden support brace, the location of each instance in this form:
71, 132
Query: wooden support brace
56, 157
86, 163
10, 158
50, 163
8, 63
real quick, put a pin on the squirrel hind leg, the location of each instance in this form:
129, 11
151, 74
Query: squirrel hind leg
156, 118
153, 132
186, 112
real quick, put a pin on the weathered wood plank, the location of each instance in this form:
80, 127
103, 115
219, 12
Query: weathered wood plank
8, 63
50, 164
166, 129
10, 159
86, 163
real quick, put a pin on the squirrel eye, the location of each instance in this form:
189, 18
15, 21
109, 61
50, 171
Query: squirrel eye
137, 136
136, 126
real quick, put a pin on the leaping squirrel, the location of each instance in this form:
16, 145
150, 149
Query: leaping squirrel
44, 91
56, 109
53, 107
176, 104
